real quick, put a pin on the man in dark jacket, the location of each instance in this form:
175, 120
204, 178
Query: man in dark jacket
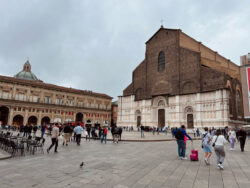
179, 135
242, 135
34, 130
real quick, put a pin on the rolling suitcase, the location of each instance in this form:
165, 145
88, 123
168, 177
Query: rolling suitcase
194, 156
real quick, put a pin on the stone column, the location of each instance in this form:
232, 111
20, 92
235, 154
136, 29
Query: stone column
25, 121
10, 118
39, 118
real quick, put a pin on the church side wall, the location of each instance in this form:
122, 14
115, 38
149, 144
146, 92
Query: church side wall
209, 109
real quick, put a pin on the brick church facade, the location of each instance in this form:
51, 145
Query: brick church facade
181, 81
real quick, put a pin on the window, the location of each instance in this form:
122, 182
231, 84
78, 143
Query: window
46, 100
5, 95
238, 103
161, 61
20, 96
80, 104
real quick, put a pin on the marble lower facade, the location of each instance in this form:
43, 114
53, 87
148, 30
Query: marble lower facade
208, 109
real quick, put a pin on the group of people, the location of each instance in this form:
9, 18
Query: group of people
210, 139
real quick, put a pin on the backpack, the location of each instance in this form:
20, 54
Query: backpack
178, 134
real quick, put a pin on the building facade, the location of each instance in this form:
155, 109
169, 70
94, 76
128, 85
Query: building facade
181, 81
24, 99
245, 79
114, 113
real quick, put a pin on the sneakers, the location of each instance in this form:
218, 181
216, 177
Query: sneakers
220, 166
206, 161
184, 158
231, 149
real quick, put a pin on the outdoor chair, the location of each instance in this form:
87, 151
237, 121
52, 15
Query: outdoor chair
39, 145
17, 147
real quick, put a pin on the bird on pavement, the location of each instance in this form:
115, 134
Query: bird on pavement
81, 165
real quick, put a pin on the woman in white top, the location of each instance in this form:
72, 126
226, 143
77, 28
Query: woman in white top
218, 143
232, 138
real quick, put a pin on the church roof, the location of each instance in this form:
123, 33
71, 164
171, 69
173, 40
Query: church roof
26, 73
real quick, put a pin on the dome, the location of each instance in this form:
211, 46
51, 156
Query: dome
26, 76
26, 73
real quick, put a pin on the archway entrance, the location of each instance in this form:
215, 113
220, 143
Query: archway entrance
79, 117
190, 121
45, 120
32, 120
4, 114
161, 118
138, 118
18, 120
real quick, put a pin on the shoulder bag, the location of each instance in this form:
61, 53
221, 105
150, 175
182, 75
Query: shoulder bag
215, 141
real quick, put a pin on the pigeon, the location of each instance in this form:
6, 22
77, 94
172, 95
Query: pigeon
81, 165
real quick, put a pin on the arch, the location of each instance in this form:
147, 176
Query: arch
138, 117
17, 120
45, 120
161, 61
4, 115
32, 120
238, 103
138, 112
161, 103
189, 109
79, 117
190, 117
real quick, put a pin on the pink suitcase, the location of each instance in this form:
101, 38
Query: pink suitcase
194, 156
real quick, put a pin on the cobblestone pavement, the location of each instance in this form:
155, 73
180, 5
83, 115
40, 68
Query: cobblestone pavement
127, 164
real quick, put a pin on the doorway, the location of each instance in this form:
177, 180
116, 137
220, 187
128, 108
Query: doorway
161, 118
138, 121
190, 121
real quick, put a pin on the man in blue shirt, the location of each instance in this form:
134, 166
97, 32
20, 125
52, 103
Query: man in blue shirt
179, 135
78, 130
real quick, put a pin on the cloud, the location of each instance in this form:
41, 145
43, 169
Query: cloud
95, 45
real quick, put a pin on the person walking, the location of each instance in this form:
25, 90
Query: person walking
116, 135
25, 131
206, 145
43, 129
142, 131
66, 130
21, 130
29, 130
242, 135
232, 138
88, 130
198, 132
180, 136
54, 138
218, 142
34, 130
105, 133
78, 132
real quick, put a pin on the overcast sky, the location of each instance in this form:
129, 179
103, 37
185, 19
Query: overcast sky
96, 44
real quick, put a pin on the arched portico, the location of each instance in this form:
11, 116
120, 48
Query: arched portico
4, 115
32, 120
17, 120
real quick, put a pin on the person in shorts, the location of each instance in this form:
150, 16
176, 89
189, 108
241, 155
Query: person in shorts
206, 144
